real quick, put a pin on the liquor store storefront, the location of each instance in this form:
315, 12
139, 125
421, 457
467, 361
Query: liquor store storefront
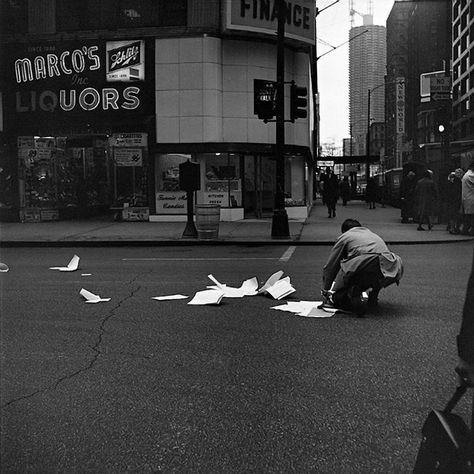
78, 116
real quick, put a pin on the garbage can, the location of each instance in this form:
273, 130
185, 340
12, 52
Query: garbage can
207, 221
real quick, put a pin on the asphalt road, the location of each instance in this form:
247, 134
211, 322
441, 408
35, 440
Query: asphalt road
138, 385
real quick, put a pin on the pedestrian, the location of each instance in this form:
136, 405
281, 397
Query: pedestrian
359, 261
330, 185
345, 190
371, 192
453, 203
407, 197
467, 196
426, 197
465, 338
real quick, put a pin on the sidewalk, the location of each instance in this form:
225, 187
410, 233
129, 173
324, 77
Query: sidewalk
318, 229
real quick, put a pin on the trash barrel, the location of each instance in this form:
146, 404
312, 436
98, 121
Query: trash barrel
207, 221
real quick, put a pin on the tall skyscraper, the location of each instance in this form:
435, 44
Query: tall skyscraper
367, 57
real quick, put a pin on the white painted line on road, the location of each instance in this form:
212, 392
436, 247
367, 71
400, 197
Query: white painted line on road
157, 259
288, 253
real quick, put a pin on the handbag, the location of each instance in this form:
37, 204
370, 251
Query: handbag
447, 445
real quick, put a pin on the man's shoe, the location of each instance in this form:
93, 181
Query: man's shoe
358, 303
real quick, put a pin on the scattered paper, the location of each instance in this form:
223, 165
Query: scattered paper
207, 297
271, 281
3, 268
72, 266
91, 297
308, 309
169, 297
86, 274
281, 289
248, 288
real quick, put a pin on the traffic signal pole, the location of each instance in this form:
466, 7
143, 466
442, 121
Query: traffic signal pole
280, 227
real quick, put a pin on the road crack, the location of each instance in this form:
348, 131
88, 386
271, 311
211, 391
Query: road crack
96, 348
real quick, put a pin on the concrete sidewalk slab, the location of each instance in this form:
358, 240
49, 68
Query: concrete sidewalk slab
317, 229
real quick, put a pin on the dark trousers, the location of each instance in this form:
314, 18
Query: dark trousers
367, 276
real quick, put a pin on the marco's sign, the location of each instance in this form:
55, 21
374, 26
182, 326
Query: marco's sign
69, 78
260, 16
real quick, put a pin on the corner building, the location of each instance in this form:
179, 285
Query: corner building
103, 102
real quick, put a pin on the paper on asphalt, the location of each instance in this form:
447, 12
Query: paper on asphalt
91, 297
72, 266
3, 268
281, 289
308, 309
271, 281
248, 288
169, 297
207, 297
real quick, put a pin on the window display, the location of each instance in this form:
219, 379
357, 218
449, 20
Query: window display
170, 199
222, 180
60, 179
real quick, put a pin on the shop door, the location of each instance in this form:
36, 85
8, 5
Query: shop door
259, 196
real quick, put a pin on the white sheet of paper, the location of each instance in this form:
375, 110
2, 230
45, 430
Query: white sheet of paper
207, 297
169, 297
271, 281
250, 287
281, 289
247, 288
306, 309
72, 266
91, 297
218, 284
229, 292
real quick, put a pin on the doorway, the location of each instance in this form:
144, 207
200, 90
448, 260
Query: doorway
259, 191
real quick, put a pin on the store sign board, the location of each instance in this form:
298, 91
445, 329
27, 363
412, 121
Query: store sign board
168, 202
400, 105
260, 16
66, 79
129, 139
128, 156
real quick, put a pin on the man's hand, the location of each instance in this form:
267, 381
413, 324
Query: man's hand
465, 370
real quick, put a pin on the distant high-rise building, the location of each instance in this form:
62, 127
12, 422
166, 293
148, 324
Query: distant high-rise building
367, 56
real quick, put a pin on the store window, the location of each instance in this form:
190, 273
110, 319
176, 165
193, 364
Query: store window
62, 177
222, 182
170, 199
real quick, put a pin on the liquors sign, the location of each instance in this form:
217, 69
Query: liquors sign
66, 78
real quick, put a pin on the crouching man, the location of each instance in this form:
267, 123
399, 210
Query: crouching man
358, 267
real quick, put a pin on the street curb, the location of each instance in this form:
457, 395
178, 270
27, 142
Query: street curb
189, 242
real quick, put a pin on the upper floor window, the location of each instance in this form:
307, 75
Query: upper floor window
72, 15
13, 16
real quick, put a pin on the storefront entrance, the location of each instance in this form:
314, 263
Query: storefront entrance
260, 177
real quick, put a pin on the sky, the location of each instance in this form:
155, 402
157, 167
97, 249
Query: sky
333, 25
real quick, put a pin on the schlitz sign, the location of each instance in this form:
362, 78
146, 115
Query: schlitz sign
65, 79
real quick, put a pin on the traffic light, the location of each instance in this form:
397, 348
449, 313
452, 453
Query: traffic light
298, 102
264, 99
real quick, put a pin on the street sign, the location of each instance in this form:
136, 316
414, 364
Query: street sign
440, 96
440, 87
